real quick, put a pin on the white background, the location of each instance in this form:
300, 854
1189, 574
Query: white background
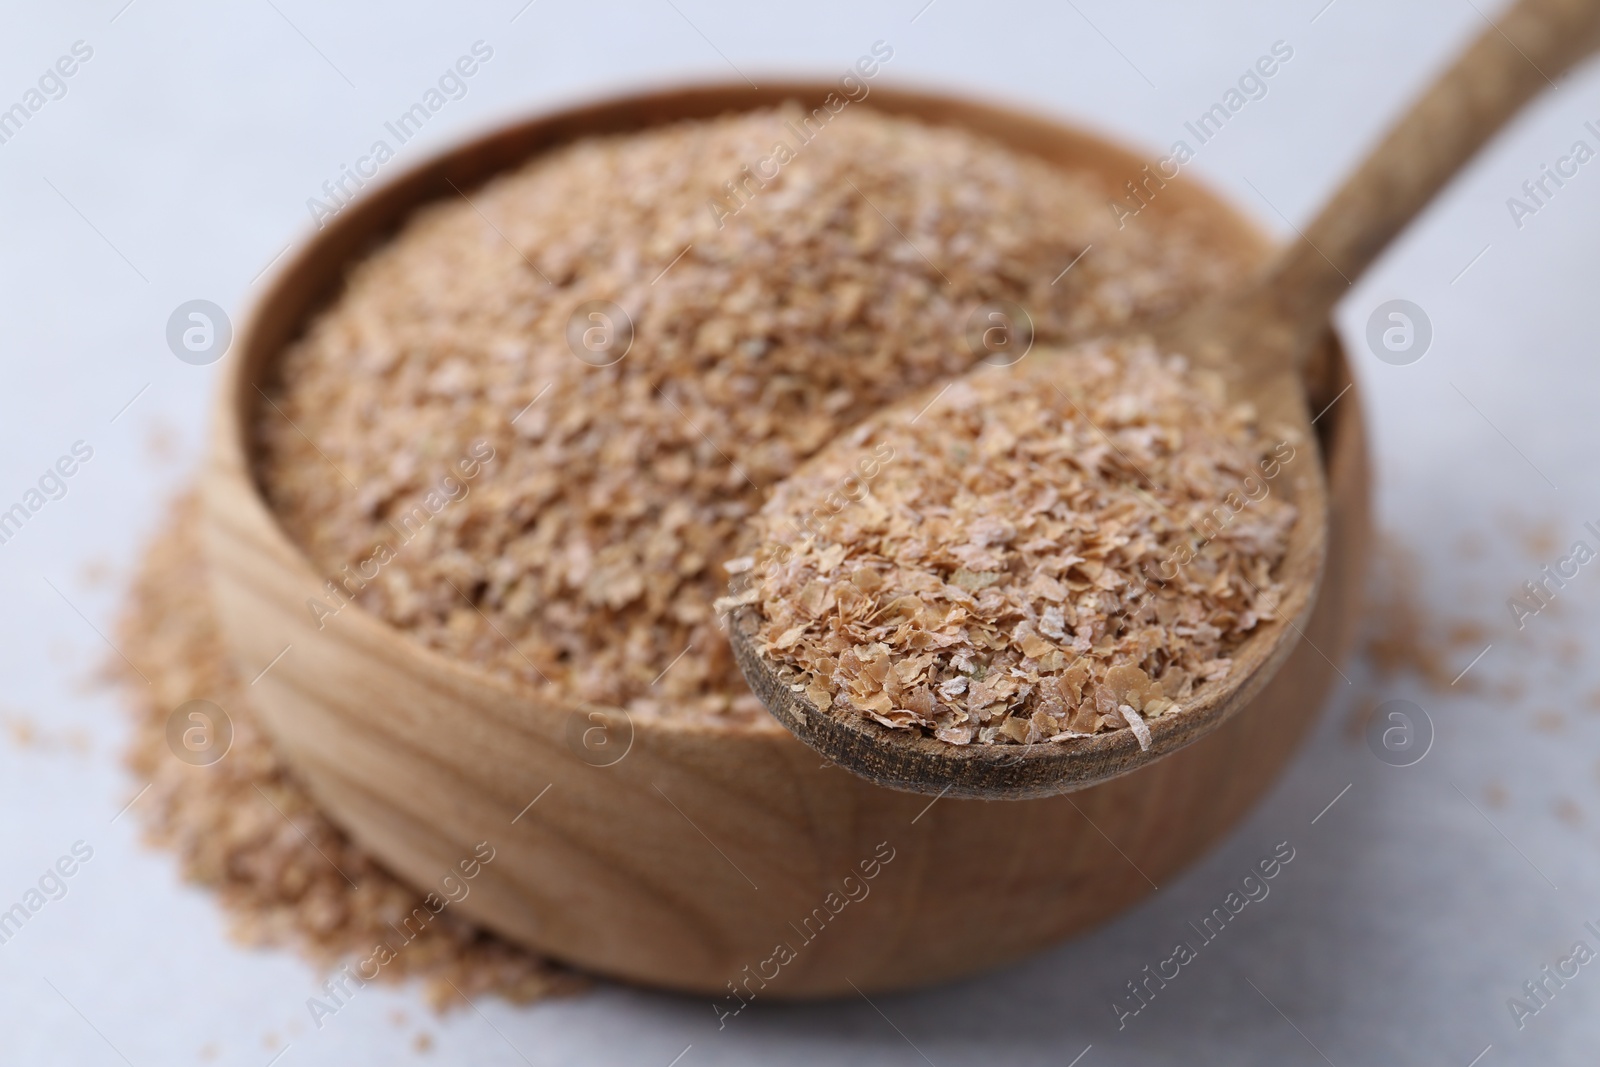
181, 160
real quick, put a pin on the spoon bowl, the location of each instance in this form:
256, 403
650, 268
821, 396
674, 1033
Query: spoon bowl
918, 762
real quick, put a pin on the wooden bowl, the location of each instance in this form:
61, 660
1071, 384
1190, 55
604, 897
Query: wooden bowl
686, 856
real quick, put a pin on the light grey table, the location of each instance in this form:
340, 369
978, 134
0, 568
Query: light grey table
176, 164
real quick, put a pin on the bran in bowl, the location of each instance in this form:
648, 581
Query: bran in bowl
457, 466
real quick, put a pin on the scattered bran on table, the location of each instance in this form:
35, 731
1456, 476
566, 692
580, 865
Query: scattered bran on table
1013, 565
587, 555
246, 828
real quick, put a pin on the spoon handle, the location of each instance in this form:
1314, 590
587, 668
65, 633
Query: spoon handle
1531, 44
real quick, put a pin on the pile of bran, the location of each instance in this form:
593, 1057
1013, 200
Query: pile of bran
246, 828
1035, 555
585, 557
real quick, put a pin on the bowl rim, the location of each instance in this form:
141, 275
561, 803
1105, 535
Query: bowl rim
318, 261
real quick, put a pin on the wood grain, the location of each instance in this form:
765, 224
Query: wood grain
695, 855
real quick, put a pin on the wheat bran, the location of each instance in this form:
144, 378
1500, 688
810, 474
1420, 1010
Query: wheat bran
1015, 566
586, 557
277, 871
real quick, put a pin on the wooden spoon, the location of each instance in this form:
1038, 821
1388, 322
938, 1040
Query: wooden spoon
1258, 340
